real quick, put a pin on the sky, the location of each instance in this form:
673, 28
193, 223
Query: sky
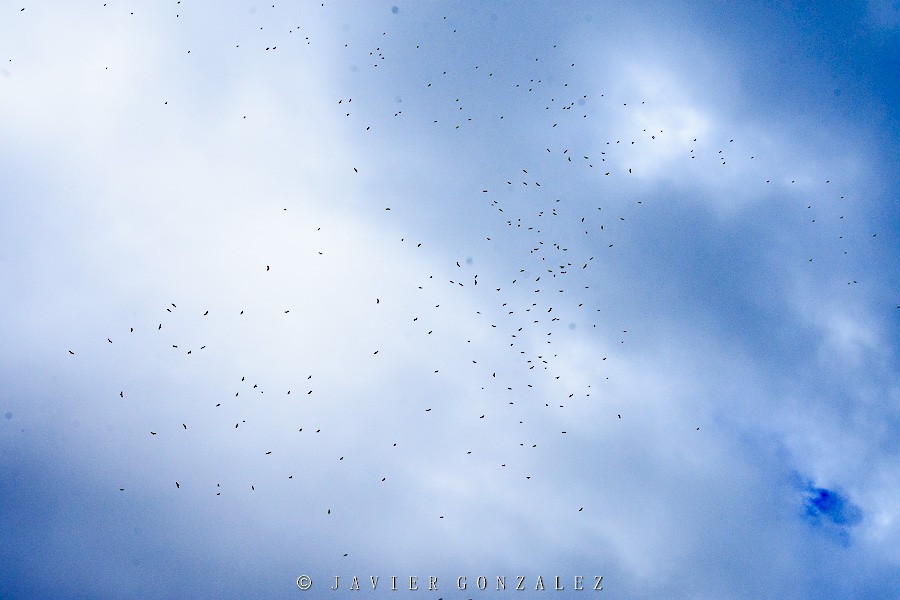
432, 289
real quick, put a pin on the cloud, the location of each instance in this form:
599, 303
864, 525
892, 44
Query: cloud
883, 14
686, 392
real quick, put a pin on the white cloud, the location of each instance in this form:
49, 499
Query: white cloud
883, 14
153, 204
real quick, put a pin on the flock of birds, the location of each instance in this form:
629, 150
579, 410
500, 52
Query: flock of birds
552, 246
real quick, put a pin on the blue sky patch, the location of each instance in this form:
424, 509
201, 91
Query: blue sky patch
832, 512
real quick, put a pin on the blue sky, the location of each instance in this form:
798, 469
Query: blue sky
449, 289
